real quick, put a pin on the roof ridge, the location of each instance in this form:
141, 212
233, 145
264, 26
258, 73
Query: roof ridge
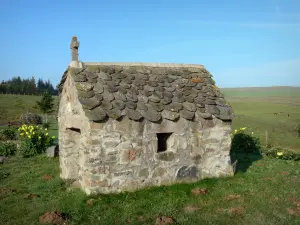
153, 64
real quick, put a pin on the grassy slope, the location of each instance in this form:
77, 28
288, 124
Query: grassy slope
255, 108
7, 102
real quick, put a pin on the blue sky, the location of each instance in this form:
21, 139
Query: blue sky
242, 43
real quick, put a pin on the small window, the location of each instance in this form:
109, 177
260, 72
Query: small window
76, 130
162, 141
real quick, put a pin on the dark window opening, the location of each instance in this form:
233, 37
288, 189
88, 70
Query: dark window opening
162, 141
77, 130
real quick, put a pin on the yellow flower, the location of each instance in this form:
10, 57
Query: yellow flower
243, 128
235, 130
33, 133
29, 136
26, 132
45, 128
252, 133
37, 126
21, 134
53, 137
279, 153
46, 134
39, 137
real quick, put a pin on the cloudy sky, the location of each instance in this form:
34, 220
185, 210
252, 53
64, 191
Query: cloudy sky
242, 43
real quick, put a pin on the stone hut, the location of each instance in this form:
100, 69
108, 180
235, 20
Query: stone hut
124, 126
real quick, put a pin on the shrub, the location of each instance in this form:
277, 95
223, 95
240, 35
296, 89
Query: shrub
29, 118
35, 140
46, 125
280, 153
244, 143
9, 134
8, 148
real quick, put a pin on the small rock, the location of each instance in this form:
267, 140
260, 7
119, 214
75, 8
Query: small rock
52, 151
3, 159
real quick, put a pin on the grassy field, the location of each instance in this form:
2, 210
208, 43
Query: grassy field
268, 193
255, 108
264, 191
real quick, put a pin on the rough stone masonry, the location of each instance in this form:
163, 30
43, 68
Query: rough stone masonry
125, 126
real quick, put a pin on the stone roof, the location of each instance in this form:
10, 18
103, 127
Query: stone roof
150, 91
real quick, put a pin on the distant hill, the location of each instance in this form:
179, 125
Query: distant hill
276, 91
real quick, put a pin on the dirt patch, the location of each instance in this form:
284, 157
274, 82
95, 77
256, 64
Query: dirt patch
295, 202
47, 177
199, 191
284, 173
190, 209
294, 211
269, 178
7, 190
232, 197
164, 220
235, 211
31, 196
53, 217
90, 201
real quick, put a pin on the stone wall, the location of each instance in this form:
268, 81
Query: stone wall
122, 155
72, 126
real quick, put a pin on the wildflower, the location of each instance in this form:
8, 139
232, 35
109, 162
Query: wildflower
252, 133
243, 128
279, 153
46, 134
39, 137
45, 128
53, 137
33, 133
21, 134
235, 130
29, 136
26, 133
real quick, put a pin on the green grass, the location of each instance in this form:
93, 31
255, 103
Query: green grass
268, 191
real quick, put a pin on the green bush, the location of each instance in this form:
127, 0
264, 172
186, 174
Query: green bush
280, 153
9, 134
8, 148
35, 140
46, 125
244, 143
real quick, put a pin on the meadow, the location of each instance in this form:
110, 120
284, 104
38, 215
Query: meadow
263, 191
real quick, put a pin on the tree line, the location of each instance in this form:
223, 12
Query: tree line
28, 86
